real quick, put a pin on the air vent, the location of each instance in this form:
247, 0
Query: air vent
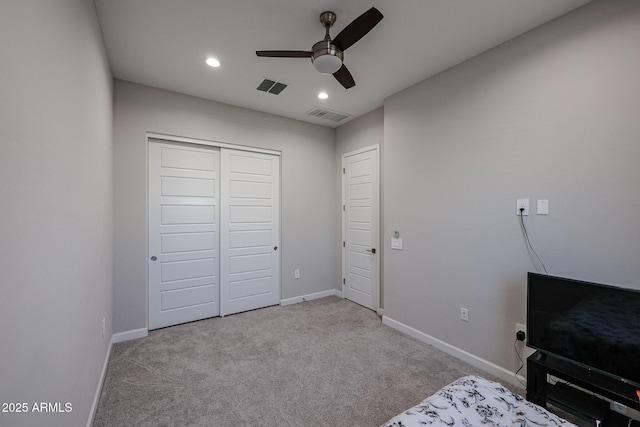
323, 113
271, 86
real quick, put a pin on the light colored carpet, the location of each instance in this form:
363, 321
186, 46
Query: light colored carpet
327, 362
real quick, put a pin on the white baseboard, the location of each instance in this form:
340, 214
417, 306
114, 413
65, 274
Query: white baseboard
96, 397
129, 335
492, 368
115, 338
316, 295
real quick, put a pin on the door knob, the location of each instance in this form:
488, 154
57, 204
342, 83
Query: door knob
372, 250
275, 248
153, 258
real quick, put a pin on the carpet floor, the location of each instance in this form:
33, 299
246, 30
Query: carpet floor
326, 362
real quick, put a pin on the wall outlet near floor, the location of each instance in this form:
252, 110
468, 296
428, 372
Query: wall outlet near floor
296, 273
464, 314
521, 328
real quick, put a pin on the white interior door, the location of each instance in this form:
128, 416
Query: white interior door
183, 233
361, 253
249, 231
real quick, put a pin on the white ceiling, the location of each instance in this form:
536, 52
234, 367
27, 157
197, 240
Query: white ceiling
163, 43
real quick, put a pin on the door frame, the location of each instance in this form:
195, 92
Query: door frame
159, 137
377, 259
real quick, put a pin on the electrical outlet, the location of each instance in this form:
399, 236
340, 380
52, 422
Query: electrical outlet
521, 328
524, 205
464, 314
296, 273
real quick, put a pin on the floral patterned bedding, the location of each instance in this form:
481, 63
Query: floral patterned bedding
475, 401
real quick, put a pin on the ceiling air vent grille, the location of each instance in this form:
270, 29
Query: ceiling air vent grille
323, 113
271, 86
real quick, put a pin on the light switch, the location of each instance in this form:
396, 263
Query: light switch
543, 207
396, 243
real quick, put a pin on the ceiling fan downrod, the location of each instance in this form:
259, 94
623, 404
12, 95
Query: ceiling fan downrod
326, 57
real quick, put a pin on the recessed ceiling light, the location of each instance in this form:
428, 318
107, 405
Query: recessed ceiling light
323, 95
213, 62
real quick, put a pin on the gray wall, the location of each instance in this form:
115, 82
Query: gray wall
361, 132
553, 114
307, 199
56, 241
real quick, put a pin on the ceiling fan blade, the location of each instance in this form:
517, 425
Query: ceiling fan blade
284, 53
344, 77
357, 29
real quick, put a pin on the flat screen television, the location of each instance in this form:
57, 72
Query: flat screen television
593, 325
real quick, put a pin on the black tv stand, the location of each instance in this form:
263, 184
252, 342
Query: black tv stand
582, 404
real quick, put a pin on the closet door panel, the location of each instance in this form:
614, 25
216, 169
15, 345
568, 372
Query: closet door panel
183, 260
250, 231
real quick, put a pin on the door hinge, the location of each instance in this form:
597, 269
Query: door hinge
344, 245
344, 281
344, 170
344, 208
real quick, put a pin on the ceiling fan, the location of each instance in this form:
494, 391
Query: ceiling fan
327, 55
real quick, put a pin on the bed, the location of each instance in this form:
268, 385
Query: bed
475, 401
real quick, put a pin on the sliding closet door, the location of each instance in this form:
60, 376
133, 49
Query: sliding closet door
249, 231
183, 233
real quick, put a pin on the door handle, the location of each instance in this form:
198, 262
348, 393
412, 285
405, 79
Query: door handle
372, 250
153, 258
275, 248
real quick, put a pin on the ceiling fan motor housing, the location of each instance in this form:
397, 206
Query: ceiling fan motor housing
326, 58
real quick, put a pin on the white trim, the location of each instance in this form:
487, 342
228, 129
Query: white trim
492, 368
174, 138
343, 205
316, 295
146, 235
129, 335
362, 150
380, 312
103, 374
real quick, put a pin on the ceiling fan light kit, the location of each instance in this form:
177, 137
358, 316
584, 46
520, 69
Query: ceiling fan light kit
327, 55
326, 58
